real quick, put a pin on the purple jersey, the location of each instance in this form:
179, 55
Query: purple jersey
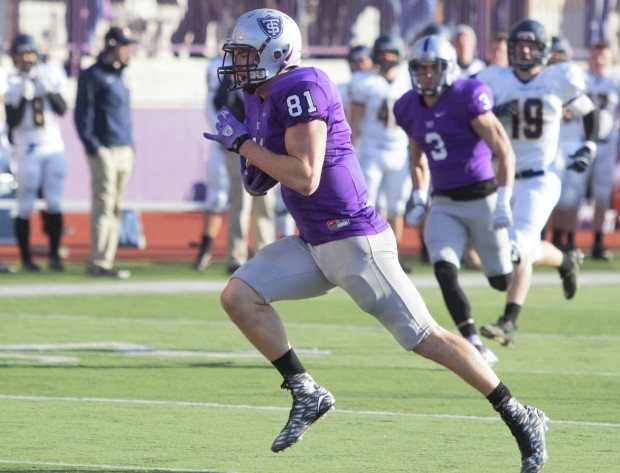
338, 208
456, 154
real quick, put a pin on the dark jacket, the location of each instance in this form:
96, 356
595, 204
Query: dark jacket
102, 112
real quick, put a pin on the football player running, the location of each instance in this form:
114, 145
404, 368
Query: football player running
33, 103
603, 90
381, 145
570, 139
530, 100
453, 133
297, 134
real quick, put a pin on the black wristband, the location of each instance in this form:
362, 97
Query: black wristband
238, 142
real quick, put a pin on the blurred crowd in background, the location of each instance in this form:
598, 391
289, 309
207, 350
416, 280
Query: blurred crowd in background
73, 32
329, 27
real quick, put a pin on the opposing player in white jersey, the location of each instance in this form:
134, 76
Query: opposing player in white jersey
381, 145
530, 100
33, 103
360, 65
451, 127
4, 148
603, 90
571, 137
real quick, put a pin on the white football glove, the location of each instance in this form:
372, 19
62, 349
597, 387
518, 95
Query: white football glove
43, 85
29, 89
415, 216
502, 215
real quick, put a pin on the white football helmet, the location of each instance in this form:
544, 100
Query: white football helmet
262, 43
437, 52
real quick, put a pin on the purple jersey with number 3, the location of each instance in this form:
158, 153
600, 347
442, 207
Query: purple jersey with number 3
456, 154
338, 208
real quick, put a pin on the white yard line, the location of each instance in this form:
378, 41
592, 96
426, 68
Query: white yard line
108, 467
189, 287
216, 405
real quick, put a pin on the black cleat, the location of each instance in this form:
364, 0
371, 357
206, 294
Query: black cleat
528, 425
310, 403
600, 253
503, 331
56, 264
30, 267
203, 260
570, 277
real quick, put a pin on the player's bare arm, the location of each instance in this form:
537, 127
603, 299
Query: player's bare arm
355, 115
419, 166
300, 169
490, 129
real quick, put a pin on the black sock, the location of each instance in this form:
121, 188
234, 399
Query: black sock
556, 239
598, 239
499, 396
288, 364
468, 329
570, 240
511, 312
206, 243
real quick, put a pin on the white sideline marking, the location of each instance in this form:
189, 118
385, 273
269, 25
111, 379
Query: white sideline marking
115, 346
227, 323
143, 350
590, 278
41, 358
129, 349
110, 467
216, 405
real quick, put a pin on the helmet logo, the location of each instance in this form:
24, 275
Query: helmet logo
271, 26
525, 36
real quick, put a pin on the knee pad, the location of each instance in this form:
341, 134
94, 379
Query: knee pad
446, 274
501, 283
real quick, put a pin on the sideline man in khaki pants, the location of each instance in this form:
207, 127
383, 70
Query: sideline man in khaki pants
103, 121
110, 170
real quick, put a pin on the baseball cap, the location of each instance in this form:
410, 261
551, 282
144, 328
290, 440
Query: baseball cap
116, 36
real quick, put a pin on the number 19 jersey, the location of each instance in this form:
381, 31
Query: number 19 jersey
535, 132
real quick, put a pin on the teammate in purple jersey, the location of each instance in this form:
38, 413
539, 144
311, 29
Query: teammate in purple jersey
453, 133
301, 139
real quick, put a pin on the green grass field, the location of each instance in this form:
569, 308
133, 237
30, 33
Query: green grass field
160, 382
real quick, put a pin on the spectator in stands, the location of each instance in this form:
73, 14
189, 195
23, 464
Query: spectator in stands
197, 16
103, 120
497, 52
465, 42
81, 18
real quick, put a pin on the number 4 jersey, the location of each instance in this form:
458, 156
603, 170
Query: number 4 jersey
535, 132
338, 208
456, 154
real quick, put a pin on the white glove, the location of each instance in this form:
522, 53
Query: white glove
416, 214
502, 215
42, 85
29, 89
